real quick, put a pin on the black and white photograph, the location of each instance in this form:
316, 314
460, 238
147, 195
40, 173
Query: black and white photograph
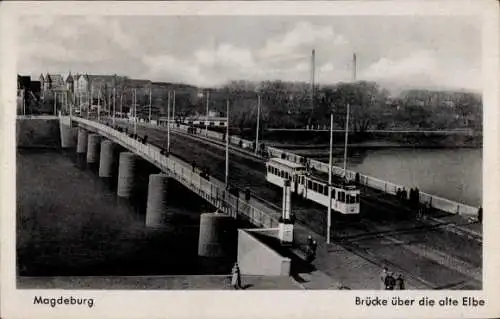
246, 152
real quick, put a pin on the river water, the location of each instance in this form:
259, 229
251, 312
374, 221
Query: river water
70, 222
455, 174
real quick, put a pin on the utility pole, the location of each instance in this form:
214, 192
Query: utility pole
227, 143
346, 138
99, 105
258, 122
90, 101
313, 75
168, 123
149, 105
135, 111
121, 104
206, 119
55, 100
114, 106
173, 107
329, 216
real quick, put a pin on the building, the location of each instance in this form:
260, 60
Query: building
52, 82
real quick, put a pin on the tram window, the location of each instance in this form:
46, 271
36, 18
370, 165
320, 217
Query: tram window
357, 198
342, 197
303, 180
320, 189
315, 187
309, 184
325, 191
333, 193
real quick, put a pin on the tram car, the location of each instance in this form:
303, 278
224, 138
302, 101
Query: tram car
345, 196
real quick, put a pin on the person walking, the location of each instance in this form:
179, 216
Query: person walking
390, 282
236, 277
404, 194
400, 282
383, 276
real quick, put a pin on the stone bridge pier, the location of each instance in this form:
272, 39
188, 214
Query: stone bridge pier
114, 163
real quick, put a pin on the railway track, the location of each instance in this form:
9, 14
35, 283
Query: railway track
399, 247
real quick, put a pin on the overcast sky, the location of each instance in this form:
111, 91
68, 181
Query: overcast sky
206, 51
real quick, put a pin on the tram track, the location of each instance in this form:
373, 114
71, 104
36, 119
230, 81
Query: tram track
404, 258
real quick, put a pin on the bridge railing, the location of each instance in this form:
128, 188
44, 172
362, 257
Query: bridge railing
440, 203
211, 190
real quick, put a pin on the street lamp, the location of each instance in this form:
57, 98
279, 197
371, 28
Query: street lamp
227, 143
258, 122
206, 119
329, 216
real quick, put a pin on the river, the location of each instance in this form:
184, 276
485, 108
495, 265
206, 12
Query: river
455, 174
70, 222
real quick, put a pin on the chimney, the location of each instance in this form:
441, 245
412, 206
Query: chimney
354, 66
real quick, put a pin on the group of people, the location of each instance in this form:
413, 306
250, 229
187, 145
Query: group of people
414, 193
312, 245
389, 281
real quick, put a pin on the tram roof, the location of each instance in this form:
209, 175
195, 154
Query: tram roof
287, 163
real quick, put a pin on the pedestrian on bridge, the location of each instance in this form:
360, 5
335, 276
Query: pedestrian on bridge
236, 277
400, 282
404, 194
383, 275
390, 281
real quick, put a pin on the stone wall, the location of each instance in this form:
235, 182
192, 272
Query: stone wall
38, 133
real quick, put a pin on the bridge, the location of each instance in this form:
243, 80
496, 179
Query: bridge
423, 250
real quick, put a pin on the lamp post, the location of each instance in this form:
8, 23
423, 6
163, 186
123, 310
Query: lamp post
173, 106
99, 105
135, 112
206, 119
329, 216
168, 122
114, 105
227, 143
258, 122
346, 138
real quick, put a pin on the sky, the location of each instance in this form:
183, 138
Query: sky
397, 51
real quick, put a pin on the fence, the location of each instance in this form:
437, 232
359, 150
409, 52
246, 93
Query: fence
211, 190
440, 203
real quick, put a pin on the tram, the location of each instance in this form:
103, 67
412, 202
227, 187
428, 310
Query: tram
345, 196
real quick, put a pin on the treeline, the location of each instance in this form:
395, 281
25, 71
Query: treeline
291, 105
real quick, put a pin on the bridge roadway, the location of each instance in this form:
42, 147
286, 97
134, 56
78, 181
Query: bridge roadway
423, 250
